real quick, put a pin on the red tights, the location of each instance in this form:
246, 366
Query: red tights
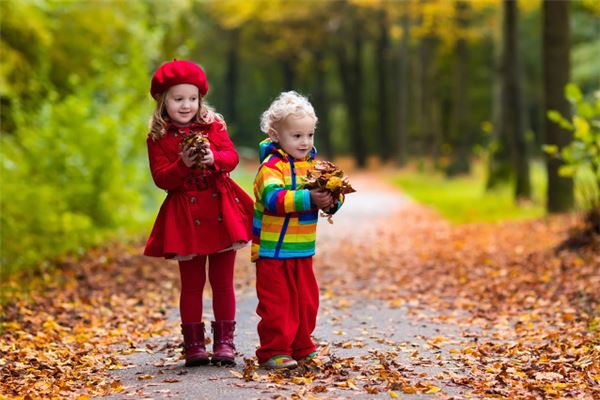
193, 278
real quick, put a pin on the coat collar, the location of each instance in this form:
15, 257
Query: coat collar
268, 147
194, 126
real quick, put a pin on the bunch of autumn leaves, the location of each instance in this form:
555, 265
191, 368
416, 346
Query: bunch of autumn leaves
324, 175
327, 176
199, 145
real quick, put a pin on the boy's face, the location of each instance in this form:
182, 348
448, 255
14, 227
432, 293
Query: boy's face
295, 136
182, 103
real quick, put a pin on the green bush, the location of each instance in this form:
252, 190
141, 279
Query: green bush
73, 157
72, 174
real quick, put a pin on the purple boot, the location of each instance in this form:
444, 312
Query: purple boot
193, 344
223, 348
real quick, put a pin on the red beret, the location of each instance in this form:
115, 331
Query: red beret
176, 72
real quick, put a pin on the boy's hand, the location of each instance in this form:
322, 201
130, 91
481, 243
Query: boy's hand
323, 199
189, 159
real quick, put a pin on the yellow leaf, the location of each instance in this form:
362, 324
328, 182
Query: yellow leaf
393, 394
433, 389
300, 380
236, 374
409, 389
117, 386
582, 127
334, 183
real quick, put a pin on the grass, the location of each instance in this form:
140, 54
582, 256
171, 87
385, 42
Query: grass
245, 178
465, 200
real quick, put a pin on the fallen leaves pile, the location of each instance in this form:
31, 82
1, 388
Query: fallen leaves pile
377, 372
61, 339
528, 315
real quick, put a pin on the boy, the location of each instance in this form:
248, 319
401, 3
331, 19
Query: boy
284, 233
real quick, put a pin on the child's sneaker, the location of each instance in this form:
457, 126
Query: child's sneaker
315, 357
309, 356
280, 361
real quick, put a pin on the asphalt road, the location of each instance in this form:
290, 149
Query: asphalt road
155, 369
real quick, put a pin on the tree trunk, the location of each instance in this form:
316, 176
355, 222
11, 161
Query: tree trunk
322, 108
231, 78
460, 134
514, 102
429, 102
289, 74
402, 89
382, 62
351, 77
556, 61
499, 167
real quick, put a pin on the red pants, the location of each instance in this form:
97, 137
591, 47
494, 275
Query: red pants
288, 301
193, 278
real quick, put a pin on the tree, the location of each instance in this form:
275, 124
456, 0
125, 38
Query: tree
382, 63
429, 104
556, 46
513, 101
401, 55
349, 58
231, 76
321, 104
460, 134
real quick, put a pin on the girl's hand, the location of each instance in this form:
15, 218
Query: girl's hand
323, 199
187, 157
209, 157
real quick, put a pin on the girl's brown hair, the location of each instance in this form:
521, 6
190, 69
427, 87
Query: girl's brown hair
159, 120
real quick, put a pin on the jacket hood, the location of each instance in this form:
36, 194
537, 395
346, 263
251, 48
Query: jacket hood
268, 147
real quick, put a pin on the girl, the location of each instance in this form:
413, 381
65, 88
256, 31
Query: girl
205, 216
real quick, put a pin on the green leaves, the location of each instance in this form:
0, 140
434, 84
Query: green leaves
74, 159
555, 116
573, 93
582, 155
551, 149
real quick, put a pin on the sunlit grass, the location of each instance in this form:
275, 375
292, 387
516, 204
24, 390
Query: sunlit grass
245, 178
465, 200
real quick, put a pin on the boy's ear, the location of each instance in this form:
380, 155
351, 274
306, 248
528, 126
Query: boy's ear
273, 135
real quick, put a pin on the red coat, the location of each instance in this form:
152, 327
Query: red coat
205, 210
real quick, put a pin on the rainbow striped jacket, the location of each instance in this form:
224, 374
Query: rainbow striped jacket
285, 221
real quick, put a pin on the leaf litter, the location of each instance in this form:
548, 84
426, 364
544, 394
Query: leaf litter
528, 312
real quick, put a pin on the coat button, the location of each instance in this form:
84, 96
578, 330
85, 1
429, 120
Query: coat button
220, 218
215, 195
237, 200
197, 221
193, 200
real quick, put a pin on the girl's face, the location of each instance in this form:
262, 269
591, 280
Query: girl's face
182, 103
295, 136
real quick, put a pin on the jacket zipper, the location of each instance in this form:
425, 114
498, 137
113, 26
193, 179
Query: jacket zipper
287, 216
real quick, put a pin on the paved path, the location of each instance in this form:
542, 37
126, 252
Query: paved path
352, 327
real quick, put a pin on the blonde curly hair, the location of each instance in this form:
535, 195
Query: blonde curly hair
159, 120
286, 104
